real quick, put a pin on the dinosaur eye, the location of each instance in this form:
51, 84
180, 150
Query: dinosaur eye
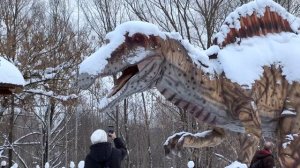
153, 42
138, 38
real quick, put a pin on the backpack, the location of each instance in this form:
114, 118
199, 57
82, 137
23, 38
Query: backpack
259, 163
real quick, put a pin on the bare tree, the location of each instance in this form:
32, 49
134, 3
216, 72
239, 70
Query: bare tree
42, 45
292, 6
102, 16
40, 38
147, 126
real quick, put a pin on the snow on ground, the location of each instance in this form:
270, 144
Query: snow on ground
72, 164
190, 164
237, 164
81, 164
9, 74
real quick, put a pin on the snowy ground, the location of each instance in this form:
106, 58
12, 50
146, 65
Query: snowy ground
190, 164
237, 164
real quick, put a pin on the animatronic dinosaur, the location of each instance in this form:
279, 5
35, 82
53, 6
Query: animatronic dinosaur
246, 82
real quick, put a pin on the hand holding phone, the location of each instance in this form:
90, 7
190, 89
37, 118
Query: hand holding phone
112, 134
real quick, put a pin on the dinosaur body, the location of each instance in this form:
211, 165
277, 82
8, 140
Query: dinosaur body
269, 108
185, 85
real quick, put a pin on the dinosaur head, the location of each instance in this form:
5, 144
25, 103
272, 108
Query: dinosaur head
135, 64
133, 59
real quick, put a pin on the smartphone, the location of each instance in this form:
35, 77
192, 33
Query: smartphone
110, 130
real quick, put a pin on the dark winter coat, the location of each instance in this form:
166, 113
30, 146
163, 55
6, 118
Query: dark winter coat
266, 157
103, 155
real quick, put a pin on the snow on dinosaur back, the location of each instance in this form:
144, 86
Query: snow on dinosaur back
243, 63
258, 7
242, 60
9, 74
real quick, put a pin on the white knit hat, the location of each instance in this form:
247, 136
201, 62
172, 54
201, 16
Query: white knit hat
3, 163
98, 136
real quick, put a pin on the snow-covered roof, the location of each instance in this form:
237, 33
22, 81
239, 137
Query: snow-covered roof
10, 75
242, 62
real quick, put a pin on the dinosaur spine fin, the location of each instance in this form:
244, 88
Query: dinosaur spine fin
255, 22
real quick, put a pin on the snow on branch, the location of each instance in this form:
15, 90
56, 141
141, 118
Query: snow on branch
17, 142
222, 157
51, 94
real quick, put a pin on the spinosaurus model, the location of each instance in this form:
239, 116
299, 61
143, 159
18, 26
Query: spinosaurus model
197, 82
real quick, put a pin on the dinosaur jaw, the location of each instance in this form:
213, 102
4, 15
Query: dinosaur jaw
127, 74
139, 69
134, 78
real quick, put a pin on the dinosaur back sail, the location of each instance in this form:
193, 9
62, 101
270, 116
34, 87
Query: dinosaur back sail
256, 18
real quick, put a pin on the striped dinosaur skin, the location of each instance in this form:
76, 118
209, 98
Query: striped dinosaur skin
212, 98
270, 22
215, 101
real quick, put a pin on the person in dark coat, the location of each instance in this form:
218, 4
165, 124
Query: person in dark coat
265, 156
102, 153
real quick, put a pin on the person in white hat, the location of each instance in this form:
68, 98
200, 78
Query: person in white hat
3, 164
102, 154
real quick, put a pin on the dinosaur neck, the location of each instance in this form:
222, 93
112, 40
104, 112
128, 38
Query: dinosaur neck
189, 88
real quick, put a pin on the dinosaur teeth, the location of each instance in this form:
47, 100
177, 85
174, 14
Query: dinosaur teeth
125, 76
120, 84
119, 74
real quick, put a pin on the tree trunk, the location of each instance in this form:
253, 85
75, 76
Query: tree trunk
147, 123
10, 136
127, 163
117, 121
66, 139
